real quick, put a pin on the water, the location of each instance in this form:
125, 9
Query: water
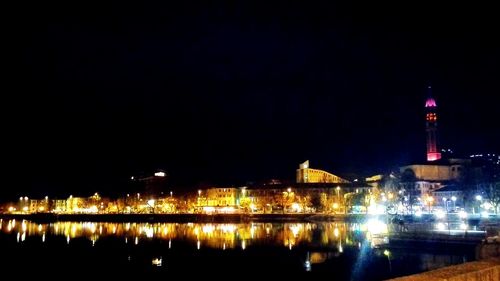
345, 251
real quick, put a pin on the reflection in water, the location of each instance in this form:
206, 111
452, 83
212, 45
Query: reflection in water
353, 250
211, 235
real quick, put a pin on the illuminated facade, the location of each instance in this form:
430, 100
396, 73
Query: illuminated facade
428, 178
308, 175
431, 129
221, 197
75, 204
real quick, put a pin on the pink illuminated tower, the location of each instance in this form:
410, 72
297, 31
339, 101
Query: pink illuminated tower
431, 128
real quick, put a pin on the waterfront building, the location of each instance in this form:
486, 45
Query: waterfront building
308, 175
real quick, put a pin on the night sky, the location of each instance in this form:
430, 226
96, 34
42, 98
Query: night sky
221, 93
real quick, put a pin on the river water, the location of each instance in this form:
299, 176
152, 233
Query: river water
343, 251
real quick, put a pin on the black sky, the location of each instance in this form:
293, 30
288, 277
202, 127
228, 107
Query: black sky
226, 93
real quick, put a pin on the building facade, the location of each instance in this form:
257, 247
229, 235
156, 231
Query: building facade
308, 175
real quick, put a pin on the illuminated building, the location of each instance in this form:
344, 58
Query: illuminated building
39, 206
75, 204
431, 129
59, 205
430, 177
303, 197
308, 175
220, 197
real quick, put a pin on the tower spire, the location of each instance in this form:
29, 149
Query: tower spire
431, 127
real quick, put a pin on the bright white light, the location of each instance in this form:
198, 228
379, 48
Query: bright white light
253, 207
227, 209
151, 202
296, 207
208, 209
440, 226
484, 214
463, 226
208, 228
375, 226
462, 214
453, 198
295, 229
227, 227
149, 231
159, 174
418, 213
440, 214
157, 261
479, 197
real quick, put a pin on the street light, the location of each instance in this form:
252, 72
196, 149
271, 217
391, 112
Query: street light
430, 199
286, 195
453, 198
478, 198
151, 203
338, 194
199, 197
387, 253
444, 204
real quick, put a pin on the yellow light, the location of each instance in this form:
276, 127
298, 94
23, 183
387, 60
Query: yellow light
157, 262
208, 229
336, 232
387, 253
335, 205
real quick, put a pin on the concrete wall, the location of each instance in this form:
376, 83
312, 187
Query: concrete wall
488, 270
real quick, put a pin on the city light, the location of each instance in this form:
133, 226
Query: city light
159, 174
462, 214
